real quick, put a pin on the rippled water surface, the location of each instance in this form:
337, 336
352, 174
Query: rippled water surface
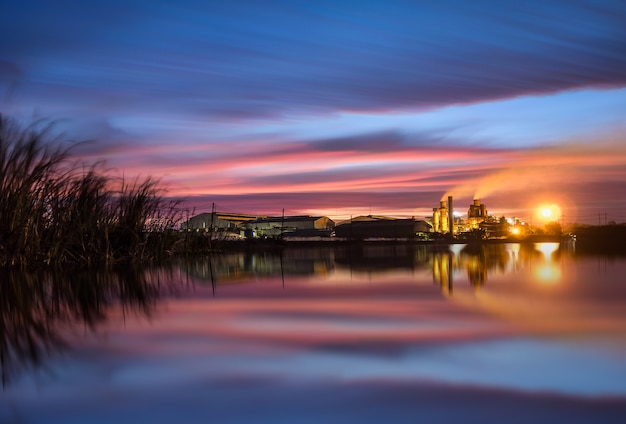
499, 333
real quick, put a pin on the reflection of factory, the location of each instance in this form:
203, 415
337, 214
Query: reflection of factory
382, 257
224, 268
472, 263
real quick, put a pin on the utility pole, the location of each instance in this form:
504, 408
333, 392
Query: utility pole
282, 224
211, 226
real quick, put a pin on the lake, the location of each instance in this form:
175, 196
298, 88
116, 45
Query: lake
371, 333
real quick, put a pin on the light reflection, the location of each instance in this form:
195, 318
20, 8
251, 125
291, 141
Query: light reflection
547, 249
509, 337
448, 265
548, 272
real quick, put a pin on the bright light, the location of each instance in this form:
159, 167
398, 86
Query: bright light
515, 230
549, 213
547, 272
547, 249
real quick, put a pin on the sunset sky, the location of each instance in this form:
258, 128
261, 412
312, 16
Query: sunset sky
336, 107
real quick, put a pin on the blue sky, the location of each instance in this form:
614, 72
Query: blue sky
335, 107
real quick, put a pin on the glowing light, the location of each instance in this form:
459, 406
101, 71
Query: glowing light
547, 249
548, 272
515, 230
549, 212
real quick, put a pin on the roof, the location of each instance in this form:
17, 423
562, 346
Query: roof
289, 218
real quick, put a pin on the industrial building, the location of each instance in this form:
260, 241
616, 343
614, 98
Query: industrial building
445, 222
217, 222
290, 226
253, 226
382, 227
443, 217
476, 214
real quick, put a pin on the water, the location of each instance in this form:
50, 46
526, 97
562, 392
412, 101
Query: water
502, 333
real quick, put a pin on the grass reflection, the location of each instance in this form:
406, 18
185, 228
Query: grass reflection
38, 308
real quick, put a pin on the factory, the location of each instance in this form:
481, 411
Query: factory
476, 215
443, 217
381, 227
444, 220
240, 225
290, 226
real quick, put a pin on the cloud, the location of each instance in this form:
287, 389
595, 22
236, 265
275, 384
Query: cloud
222, 62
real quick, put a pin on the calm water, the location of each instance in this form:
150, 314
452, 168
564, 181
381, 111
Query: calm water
503, 333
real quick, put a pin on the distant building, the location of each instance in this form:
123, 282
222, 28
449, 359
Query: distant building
476, 215
441, 218
382, 227
290, 226
217, 222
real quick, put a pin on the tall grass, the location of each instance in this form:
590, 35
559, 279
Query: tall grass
56, 211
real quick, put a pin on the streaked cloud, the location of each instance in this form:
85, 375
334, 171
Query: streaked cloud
218, 99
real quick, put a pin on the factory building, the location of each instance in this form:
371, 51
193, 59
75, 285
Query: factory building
476, 215
379, 227
443, 217
216, 222
290, 226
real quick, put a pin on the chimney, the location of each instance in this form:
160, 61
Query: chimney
451, 215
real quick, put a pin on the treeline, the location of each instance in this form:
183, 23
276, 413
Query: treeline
605, 239
57, 211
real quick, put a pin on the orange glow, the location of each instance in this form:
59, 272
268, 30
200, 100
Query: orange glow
548, 213
548, 272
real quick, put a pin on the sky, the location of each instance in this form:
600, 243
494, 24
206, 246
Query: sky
338, 108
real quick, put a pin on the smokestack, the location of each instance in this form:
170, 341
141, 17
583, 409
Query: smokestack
451, 215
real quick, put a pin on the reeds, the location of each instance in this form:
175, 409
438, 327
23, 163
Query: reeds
55, 211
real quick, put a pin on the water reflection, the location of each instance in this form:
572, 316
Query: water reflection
38, 309
368, 333
471, 262
479, 261
548, 271
309, 262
